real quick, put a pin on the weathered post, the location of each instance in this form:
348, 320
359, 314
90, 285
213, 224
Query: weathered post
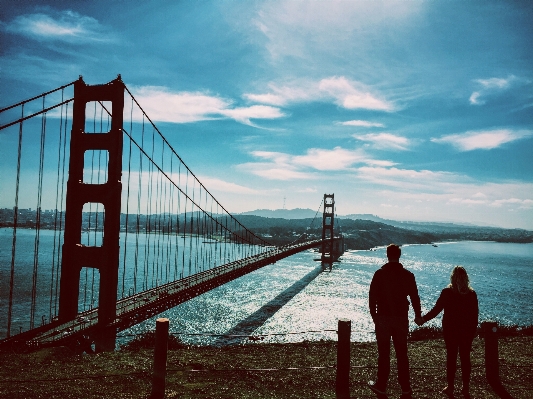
492, 372
490, 330
160, 359
342, 386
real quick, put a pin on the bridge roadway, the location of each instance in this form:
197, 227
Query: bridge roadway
139, 307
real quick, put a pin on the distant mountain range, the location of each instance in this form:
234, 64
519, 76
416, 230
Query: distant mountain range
365, 231
297, 213
300, 213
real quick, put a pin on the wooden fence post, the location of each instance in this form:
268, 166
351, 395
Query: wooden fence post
160, 359
492, 371
342, 386
490, 330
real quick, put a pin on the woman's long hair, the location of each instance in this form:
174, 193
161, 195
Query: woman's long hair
459, 280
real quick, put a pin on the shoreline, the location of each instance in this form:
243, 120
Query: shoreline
366, 247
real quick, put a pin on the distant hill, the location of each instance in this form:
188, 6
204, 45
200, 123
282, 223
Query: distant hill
407, 224
300, 213
364, 231
297, 213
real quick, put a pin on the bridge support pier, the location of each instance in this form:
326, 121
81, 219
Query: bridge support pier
75, 255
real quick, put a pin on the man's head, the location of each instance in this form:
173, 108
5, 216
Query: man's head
393, 253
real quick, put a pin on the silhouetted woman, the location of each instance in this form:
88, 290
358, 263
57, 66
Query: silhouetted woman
459, 325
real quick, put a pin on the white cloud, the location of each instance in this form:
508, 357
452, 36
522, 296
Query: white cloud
282, 166
450, 189
278, 157
494, 199
308, 190
214, 184
385, 141
181, 107
485, 140
474, 98
297, 28
379, 162
283, 95
407, 179
361, 123
336, 159
278, 167
342, 91
244, 114
495, 83
453, 198
467, 201
66, 26
275, 171
353, 95
522, 203
488, 87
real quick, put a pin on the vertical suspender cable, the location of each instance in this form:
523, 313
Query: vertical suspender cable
164, 199
171, 227
211, 236
15, 223
150, 195
191, 223
56, 205
38, 219
196, 226
168, 223
56, 296
139, 193
147, 226
169, 198
127, 204
179, 216
185, 221
160, 233
145, 263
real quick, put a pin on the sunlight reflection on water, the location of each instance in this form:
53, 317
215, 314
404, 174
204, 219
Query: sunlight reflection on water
500, 273
293, 296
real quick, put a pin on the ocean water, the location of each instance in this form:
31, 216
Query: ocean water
294, 299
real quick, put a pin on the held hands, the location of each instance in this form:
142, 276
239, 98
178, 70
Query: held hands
419, 320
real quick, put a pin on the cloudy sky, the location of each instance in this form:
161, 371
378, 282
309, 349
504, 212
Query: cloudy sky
410, 110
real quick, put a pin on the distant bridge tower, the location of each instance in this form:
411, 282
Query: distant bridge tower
75, 255
332, 247
327, 228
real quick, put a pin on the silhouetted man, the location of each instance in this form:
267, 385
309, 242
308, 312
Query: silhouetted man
389, 308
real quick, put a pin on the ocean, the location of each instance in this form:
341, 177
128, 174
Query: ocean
294, 299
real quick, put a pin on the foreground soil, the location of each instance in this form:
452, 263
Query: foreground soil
253, 371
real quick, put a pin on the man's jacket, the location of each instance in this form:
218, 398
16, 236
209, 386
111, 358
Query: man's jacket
389, 289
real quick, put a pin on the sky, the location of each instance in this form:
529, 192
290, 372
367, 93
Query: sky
408, 110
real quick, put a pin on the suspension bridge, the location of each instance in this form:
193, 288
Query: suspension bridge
103, 225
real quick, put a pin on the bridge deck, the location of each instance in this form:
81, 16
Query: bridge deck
137, 308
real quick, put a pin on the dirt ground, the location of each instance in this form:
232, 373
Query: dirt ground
255, 370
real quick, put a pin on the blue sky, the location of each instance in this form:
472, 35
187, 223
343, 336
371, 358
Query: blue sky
410, 110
